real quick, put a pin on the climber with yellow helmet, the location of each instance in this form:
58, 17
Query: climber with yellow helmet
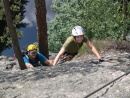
73, 44
32, 57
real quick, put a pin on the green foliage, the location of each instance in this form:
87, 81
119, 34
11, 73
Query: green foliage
100, 19
17, 11
106, 45
128, 19
84, 49
100, 45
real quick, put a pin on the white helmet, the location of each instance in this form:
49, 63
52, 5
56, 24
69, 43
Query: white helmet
77, 31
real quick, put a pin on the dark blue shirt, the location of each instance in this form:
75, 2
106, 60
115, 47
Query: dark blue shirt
39, 57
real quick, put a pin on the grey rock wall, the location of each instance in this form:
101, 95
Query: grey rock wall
74, 79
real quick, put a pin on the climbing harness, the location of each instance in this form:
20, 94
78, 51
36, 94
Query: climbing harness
106, 85
67, 57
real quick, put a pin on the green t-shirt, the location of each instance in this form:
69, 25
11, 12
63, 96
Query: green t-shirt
71, 46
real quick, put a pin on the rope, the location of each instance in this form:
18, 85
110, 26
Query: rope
106, 85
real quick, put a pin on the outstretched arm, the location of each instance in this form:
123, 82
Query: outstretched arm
93, 49
28, 65
58, 56
48, 62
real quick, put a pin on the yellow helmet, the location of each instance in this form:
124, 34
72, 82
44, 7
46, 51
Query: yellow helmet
31, 47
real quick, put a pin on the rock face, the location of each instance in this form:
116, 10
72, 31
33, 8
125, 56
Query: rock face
73, 79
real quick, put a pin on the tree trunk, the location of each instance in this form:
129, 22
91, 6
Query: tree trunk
13, 34
42, 27
124, 18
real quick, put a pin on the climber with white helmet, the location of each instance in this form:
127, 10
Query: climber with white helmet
72, 45
32, 57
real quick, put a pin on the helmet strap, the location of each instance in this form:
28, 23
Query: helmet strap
74, 38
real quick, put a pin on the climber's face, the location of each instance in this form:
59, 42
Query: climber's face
79, 39
32, 54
